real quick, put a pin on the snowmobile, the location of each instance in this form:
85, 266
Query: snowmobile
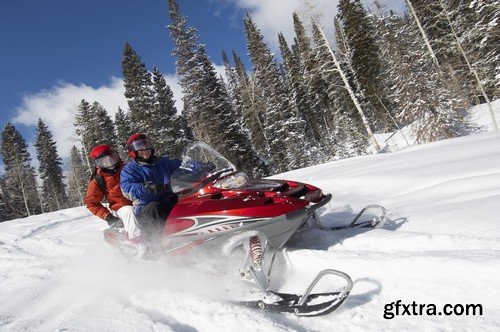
219, 204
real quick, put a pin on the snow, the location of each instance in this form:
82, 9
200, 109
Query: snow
440, 245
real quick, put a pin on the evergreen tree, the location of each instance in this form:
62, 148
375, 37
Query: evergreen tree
122, 133
477, 30
301, 102
209, 112
347, 129
50, 170
170, 131
85, 128
78, 178
138, 91
224, 129
363, 56
419, 93
20, 180
93, 126
249, 106
105, 129
450, 63
5, 211
391, 40
285, 131
185, 48
311, 78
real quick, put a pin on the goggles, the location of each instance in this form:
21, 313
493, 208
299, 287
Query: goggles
107, 161
141, 144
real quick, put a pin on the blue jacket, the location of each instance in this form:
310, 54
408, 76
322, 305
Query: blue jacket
134, 174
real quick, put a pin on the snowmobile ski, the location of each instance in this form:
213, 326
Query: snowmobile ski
355, 223
308, 304
289, 304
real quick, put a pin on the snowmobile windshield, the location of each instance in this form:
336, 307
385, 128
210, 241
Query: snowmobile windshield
107, 161
200, 161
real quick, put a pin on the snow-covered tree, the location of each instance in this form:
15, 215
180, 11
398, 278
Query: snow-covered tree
20, 176
351, 129
206, 103
50, 170
122, 132
78, 178
169, 130
138, 90
285, 131
93, 127
249, 106
363, 56
420, 95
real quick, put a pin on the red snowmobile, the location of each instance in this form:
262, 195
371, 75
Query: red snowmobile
218, 204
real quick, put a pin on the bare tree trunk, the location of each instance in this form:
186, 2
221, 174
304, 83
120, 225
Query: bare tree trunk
87, 156
351, 93
424, 37
77, 185
25, 197
471, 69
41, 203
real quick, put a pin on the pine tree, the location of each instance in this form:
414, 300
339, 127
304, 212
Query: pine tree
170, 131
50, 170
93, 127
419, 93
78, 178
85, 129
250, 106
138, 91
122, 132
350, 131
318, 106
302, 104
185, 48
6, 212
209, 112
476, 42
363, 56
20, 180
285, 131
224, 129
481, 43
391, 41
443, 49
105, 129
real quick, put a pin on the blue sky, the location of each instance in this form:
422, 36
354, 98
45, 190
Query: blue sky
45, 43
56, 52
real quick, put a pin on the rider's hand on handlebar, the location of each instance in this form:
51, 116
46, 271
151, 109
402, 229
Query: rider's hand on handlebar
155, 188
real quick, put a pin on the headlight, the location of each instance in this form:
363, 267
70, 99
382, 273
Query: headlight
236, 180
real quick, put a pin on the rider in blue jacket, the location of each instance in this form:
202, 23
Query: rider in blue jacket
146, 182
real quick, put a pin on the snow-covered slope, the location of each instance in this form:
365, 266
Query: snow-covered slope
441, 245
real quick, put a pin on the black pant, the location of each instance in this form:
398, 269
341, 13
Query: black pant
153, 216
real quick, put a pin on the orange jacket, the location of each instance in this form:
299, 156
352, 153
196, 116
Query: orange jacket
93, 198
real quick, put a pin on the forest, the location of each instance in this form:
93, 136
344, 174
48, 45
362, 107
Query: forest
322, 98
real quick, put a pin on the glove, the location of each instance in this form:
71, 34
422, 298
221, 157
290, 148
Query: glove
207, 167
114, 221
155, 188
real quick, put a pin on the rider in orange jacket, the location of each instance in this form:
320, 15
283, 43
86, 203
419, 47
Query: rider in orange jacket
105, 188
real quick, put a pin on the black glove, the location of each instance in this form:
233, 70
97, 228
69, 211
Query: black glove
155, 188
207, 167
113, 221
